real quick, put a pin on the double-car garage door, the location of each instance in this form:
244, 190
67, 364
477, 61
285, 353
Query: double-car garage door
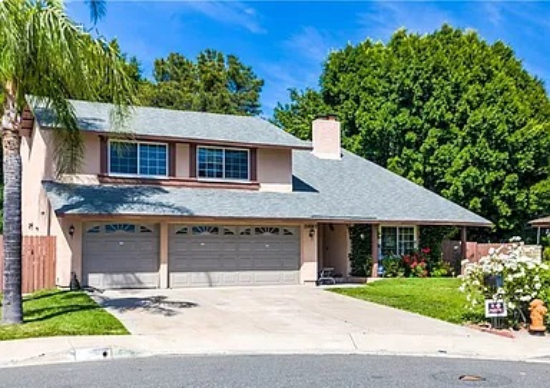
126, 255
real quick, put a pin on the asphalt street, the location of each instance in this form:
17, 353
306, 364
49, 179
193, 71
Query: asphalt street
280, 371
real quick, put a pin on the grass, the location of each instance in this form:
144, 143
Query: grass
57, 313
434, 297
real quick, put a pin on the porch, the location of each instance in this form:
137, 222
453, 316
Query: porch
335, 250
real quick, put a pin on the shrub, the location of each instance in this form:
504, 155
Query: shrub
441, 269
522, 280
393, 266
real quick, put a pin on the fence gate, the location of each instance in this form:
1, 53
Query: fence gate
38, 263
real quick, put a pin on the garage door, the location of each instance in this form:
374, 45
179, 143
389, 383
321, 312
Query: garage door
208, 256
121, 255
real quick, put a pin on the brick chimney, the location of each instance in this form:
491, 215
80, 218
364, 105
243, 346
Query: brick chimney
326, 137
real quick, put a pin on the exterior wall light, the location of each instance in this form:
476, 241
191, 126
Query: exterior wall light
71, 231
311, 232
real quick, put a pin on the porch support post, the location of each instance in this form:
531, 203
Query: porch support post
348, 251
538, 235
163, 267
374, 250
464, 242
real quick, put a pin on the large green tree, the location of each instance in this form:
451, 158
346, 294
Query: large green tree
213, 83
447, 110
46, 54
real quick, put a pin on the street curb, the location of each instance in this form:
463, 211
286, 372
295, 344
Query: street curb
76, 355
95, 354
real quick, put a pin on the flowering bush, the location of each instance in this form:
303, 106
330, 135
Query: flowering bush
507, 274
416, 264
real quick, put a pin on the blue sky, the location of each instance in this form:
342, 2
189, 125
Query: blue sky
285, 42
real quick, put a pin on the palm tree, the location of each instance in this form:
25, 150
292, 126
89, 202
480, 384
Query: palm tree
45, 54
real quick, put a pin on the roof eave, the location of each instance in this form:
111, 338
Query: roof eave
336, 220
193, 140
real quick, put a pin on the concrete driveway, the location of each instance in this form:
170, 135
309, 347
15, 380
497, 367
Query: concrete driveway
288, 319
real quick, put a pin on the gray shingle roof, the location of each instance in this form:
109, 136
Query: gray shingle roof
146, 121
351, 189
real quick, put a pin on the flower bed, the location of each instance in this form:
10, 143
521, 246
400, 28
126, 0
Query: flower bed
417, 264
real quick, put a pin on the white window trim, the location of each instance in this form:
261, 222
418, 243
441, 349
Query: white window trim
223, 179
137, 175
415, 228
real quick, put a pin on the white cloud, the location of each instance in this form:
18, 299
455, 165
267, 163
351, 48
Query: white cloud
493, 13
380, 23
228, 12
282, 76
298, 67
311, 44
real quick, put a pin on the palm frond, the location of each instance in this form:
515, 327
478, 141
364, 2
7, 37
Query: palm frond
98, 9
50, 56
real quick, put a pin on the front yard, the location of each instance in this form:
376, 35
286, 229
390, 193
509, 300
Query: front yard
434, 297
58, 313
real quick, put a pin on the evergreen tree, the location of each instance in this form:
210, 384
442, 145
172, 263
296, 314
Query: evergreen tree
213, 83
447, 110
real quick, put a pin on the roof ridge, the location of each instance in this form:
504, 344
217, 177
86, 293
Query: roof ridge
109, 104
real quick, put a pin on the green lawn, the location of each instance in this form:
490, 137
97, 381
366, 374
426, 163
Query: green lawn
435, 297
54, 313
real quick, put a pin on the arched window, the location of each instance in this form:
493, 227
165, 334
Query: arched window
126, 228
206, 230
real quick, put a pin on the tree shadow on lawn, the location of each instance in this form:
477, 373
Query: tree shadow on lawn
51, 312
152, 304
43, 295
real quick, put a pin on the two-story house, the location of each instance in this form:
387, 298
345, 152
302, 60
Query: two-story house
199, 199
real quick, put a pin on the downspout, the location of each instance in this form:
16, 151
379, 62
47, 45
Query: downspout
49, 233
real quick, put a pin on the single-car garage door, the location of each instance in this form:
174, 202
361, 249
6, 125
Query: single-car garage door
121, 255
207, 256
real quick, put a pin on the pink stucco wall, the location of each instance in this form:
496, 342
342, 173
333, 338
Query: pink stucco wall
275, 169
69, 249
92, 154
37, 164
37, 216
182, 160
308, 264
336, 248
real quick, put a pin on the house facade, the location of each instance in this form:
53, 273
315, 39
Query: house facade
190, 199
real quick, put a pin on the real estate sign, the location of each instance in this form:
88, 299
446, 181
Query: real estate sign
495, 308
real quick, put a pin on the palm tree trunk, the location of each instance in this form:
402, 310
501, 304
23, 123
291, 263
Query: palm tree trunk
12, 307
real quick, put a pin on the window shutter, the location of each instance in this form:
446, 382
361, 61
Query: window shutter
172, 159
253, 164
103, 151
192, 160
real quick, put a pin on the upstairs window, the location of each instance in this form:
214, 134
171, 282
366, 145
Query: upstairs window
222, 163
143, 159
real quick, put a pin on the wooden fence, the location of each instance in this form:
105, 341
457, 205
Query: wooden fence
452, 251
38, 265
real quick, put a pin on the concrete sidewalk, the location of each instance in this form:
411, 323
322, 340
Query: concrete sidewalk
70, 349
